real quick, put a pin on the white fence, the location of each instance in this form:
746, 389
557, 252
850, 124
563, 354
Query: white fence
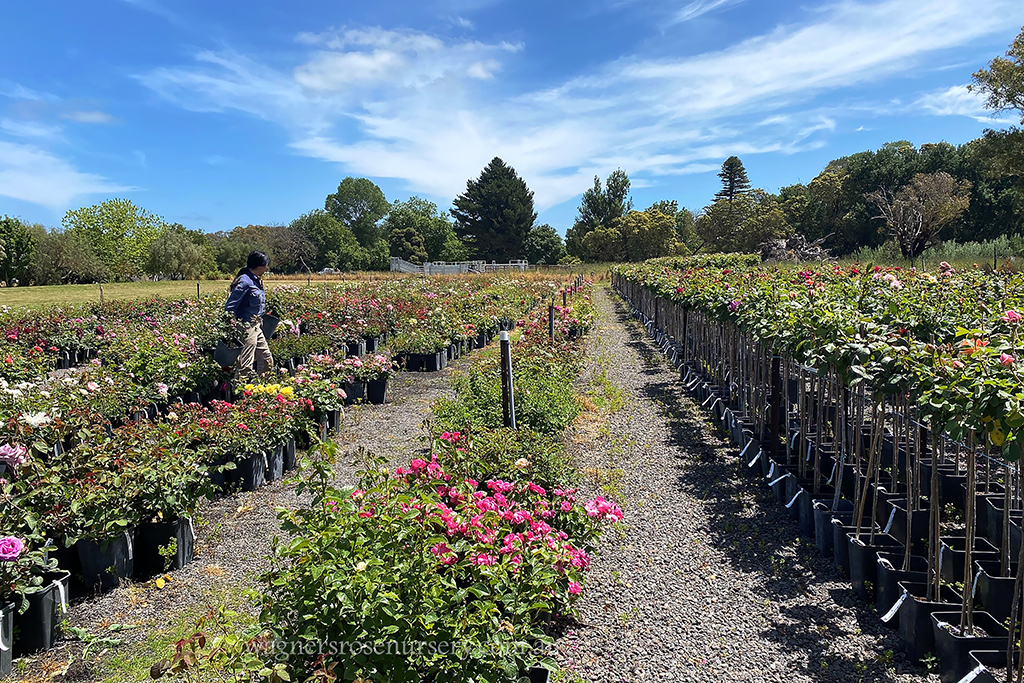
441, 268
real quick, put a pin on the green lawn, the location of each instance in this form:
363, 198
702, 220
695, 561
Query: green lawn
76, 294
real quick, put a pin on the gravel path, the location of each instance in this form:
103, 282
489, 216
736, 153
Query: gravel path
707, 580
235, 535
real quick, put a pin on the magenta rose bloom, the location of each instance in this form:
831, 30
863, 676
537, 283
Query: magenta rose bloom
10, 548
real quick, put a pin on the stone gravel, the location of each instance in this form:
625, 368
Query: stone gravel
234, 538
707, 579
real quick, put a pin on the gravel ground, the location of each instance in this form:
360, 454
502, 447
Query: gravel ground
235, 535
707, 580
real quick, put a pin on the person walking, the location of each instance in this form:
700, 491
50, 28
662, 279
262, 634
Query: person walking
247, 300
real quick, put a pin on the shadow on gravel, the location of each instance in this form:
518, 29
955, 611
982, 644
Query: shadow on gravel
752, 530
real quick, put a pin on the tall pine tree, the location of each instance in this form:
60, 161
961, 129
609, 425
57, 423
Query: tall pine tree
734, 180
495, 213
598, 209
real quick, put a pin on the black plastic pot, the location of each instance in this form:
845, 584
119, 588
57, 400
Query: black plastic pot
953, 649
984, 660
275, 463
250, 472
38, 627
953, 551
150, 537
863, 555
823, 535
377, 391
371, 344
994, 593
356, 348
334, 421
105, 562
841, 526
992, 508
915, 617
916, 534
354, 391
539, 674
429, 362
289, 455
411, 361
888, 577
6, 639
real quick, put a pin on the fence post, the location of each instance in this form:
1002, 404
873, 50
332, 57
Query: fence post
564, 301
508, 401
551, 321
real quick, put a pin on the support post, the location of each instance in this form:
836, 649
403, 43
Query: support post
564, 301
508, 402
198, 295
101, 295
775, 409
551, 322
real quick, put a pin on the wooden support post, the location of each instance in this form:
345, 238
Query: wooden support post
551, 321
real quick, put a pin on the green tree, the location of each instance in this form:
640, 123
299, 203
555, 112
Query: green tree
495, 213
407, 243
176, 255
648, 234
543, 245
64, 258
359, 205
336, 245
119, 232
734, 180
17, 245
1003, 81
598, 208
439, 236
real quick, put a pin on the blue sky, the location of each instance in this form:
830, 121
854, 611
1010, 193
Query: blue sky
216, 114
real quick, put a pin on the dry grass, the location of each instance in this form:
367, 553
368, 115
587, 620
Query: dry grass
36, 297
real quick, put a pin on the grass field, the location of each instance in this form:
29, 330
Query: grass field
76, 294
35, 297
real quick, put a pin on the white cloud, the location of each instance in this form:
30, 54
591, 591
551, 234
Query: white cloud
34, 175
89, 117
16, 91
699, 8
29, 129
462, 22
411, 106
380, 58
959, 101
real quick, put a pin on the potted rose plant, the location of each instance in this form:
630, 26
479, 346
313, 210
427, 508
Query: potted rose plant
375, 371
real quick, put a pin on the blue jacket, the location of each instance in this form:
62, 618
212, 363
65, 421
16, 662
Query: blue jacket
247, 299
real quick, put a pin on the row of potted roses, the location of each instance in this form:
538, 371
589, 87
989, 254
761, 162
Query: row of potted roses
472, 543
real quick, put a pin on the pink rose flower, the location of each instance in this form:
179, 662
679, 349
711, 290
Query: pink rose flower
10, 548
1006, 359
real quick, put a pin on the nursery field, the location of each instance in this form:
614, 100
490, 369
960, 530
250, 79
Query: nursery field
718, 470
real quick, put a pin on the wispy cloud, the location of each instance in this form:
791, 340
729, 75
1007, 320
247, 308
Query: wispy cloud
432, 112
461, 22
30, 129
698, 8
959, 101
89, 117
34, 175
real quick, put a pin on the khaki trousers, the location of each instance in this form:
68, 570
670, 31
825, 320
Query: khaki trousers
254, 348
